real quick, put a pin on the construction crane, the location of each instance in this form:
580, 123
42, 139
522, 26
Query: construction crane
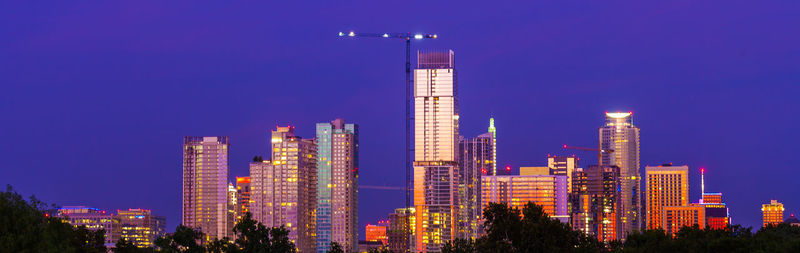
407, 37
599, 151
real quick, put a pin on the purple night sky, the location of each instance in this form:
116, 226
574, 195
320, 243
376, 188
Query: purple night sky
96, 97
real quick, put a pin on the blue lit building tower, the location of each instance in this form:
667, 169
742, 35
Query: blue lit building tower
337, 184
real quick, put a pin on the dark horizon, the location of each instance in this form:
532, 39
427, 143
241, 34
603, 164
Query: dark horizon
97, 96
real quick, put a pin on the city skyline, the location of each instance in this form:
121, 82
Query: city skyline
77, 86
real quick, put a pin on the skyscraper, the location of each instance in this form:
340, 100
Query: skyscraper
677, 217
141, 227
436, 150
337, 185
548, 191
596, 202
284, 189
242, 197
717, 215
563, 166
205, 186
477, 159
666, 185
772, 213
619, 134
401, 230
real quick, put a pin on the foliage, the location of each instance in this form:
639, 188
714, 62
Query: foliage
780, 238
251, 237
125, 246
336, 248
185, 239
29, 226
508, 230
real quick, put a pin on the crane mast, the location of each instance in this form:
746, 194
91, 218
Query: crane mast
407, 37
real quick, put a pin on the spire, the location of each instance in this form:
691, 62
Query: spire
491, 128
493, 131
702, 184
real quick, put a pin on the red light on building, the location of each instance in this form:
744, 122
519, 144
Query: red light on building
508, 168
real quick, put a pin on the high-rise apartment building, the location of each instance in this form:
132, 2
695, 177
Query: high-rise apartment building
94, 219
619, 134
141, 227
401, 230
665, 185
205, 186
337, 185
677, 217
477, 159
548, 191
284, 189
242, 197
772, 213
435, 150
596, 202
563, 166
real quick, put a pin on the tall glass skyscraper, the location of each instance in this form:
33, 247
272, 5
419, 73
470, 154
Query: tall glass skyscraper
435, 150
619, 134
477, 159
337, 185
205, 186
284, 189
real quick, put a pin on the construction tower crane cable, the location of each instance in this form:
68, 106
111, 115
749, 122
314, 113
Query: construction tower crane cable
599, 151
407, 37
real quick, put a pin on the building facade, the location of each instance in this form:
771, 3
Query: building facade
620, 135
283, 189
205, 186
477, 159
677, 217
141, 227
401, 230
435, 150
94, 219
596, 202
563, 166
377, 233
337, 185
772, 213
665, 185
242, 197
548, 191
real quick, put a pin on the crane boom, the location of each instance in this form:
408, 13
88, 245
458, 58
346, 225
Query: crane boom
407, 37
609, 151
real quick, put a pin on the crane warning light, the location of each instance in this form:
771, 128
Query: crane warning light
508, 168
565, 145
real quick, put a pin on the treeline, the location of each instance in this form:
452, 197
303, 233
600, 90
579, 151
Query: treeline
30, 226
508, 232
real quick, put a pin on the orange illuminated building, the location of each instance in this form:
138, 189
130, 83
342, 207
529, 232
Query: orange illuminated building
772, 213
596, 204
666, 185
375, 233
677, 217
242, 197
